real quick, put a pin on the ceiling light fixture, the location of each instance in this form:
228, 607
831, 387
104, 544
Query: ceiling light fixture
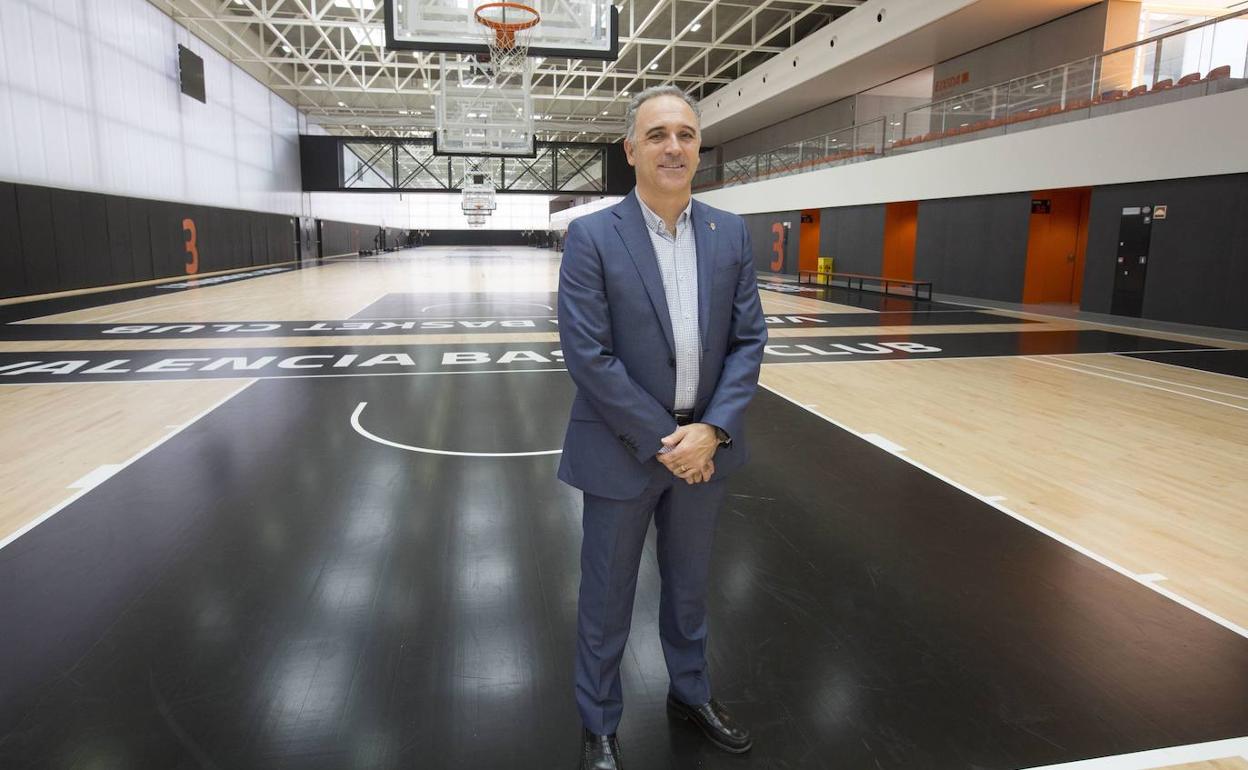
697, 25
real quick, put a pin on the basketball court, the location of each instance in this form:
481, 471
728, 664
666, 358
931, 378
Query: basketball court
305, 514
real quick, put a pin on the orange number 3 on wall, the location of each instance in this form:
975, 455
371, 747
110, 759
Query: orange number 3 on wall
777, 246
188, 227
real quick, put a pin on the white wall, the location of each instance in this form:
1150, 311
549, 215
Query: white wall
430, 211
1195, 137
89, 100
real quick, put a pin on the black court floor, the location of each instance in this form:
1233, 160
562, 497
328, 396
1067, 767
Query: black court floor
306, 596
329, 572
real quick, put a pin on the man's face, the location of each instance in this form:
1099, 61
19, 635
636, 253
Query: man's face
665, 151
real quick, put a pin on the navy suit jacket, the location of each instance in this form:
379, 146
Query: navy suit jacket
616, 335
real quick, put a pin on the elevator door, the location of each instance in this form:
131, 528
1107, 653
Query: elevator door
1134, 232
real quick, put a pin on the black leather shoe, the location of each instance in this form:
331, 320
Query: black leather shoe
600, 752
715, 722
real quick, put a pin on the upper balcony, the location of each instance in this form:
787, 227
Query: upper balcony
1203, 59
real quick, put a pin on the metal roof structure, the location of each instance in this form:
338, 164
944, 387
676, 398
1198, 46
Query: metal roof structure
328, 59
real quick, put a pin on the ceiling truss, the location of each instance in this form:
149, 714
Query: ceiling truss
328, 59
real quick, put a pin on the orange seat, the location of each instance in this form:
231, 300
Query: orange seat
1217, 73
1188, 79
1162, 85
1137, 91
1112, 96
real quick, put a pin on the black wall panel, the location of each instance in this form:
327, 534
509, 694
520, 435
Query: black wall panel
854, 237
93, 208
120, 246
1198, 254
281, 238
471, 238
56, 240
71, 261
259, 240
344, 237
769, 241
12, 271
34, 213
169, 255
140, 239
974, 246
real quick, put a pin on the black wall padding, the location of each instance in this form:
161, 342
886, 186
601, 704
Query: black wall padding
1198, 254
93, 209
141, 240
764, 237
344, 237
12, 271
974, 246
56, 240
475, 238
854, 237
34, 216
71, 260
121, 245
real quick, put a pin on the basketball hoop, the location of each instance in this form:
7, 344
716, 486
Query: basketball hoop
507, 28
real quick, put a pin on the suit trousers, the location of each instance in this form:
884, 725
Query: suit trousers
614, 535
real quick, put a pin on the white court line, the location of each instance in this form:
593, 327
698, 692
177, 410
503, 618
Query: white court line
280, 377
1137, 384
134, 313
95, 477
120, 466
1135, 330
486, 302
883, 443
1159, 379
1152, 577
1227, 624
360, 429
1181, 366
458, 318
814, 360
1173, 755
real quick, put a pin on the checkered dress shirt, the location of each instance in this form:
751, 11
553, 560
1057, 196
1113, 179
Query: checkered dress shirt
678, 264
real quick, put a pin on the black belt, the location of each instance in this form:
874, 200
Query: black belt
683, 418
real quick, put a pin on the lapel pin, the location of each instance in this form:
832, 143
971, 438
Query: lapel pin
712, 225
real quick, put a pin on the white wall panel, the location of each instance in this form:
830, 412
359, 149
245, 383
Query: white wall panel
1195, 137
89, 100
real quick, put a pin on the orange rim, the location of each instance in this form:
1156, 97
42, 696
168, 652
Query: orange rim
505, 31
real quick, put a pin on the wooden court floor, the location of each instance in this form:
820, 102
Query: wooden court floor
1138, 465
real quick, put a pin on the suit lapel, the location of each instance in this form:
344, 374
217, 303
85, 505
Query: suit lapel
632, 229
703, 223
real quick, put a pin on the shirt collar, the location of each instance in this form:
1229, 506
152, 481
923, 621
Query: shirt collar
655, 222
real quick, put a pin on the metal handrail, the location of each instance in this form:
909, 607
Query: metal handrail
719, 177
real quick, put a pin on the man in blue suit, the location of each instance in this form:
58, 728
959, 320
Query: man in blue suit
663, 334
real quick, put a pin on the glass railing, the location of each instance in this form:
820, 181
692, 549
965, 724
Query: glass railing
1203, 59
848, 145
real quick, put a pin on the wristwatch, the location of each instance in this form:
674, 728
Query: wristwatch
722, 435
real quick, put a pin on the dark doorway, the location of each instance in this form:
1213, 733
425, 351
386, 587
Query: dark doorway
1134, 233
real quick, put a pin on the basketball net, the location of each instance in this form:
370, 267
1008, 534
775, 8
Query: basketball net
506, 28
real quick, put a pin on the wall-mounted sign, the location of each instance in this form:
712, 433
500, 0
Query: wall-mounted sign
1159, 211
944, 84
1041, 205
